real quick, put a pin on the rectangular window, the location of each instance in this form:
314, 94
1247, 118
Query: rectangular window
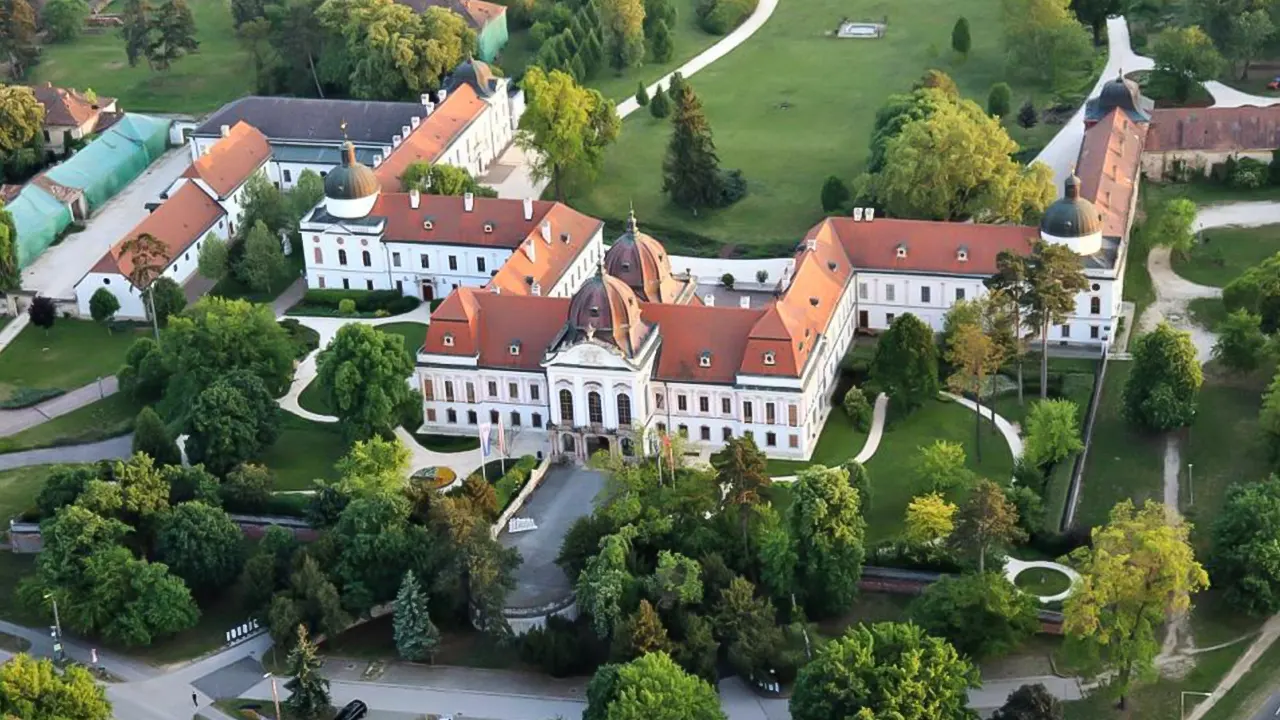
537, 420
288, 177
493, 416
683, 430
705, 433
424, 261
428, 390
959, 294
682, 403
746, 411
658, 401
452, 416
395, 259
888, 293
448, 390
471, 417
493, 390
515, 419
346, 283
888, 318
368, 284
704, 404
771, 439
925, 294
320, 280
513, 389
431, 415
864, 291
769, 417
726, 434
793, 415
1066, 331
480, 264
726, 406
471, 393
794, 441
533, 392
453, 262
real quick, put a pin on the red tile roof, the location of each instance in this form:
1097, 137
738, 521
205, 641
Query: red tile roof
64, 107
1214, 129
1108, 168
179, 222
484, 324
932, 246
232, 159
687, 331
432, 137
508, 228
477, 13
550, 259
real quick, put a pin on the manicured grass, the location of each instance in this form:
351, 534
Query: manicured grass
313, 399
221, 71
794, 105
448, 443
1220, 255
107, 418
1138, 288
892, 468
1122, 463
869, 607
1247, 696
1042, 581
1207, 312
233, 287
13, 568
69, 355
414, 334
18, 491
305, 451
1203, 192
839, 442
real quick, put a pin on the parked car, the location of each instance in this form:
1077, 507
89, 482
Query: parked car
354, 710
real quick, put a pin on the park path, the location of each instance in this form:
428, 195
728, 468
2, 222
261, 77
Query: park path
117, 448
13, 422
878, 415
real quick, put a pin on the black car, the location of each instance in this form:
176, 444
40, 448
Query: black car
355, 710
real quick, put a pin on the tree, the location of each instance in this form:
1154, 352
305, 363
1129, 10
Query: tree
247, 487
1011, 283
1054, 277
826, 529
960, 41
135, 16
691, 174
1241, 343
1000, 100
373, 467
642, 95
1244, 560
171, 34
741, 468
640, 634
905, 365
230, 422
263, 259
1250, 31
568, 126
149, 257
416, 636
929, 519
623, 24
63, 485
650, 686
857, 407
1160, 393
103, 306
941, 465
1030, 702
18, 39
1184, 57
33, 689
604, 580
1052, 432
1027, 115
936, 79
151, 437
661, 46
191, 483
441, 179
362, 373
42, 312
884, 670
1140, 571
142, 491
1094, 14
1174, 225
201, 545
309, 691
835, 194
676, 582
65, 18
168, 299
981, 615
1045, 42
975, 356
987, 521
211, 263
10, 276
660, 104
306, 192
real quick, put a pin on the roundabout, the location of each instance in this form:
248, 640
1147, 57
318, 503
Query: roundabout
1046, 581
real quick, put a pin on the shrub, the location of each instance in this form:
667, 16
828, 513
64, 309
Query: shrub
346, 306
327, 302
733, 187
1027, 116
247, 488
561, 649
835, 194
857, 408
762, 276
727, 280
718, 17
642, 95
1248, 173
1000, 99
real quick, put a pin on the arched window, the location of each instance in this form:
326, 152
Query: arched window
624, 409
319, 256
1095, 305
342, 256
566, 407
595, 409
367, 258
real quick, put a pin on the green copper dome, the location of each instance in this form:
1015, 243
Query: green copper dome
351, 180
1071, 216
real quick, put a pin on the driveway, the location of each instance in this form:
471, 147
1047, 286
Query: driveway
565, 495
56, 272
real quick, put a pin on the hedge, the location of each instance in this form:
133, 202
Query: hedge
508, 486
367, 302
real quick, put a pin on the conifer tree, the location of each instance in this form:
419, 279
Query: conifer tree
136, 16
171, 34
691, 171
960, 40
151, 437
659, 105
661, 47
640, 634
416, 636
642, 95
309, 698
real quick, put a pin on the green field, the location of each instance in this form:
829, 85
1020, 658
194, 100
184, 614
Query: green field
106, 418
414, 334
69, 355
839, 442
1122, 463
1222, 254
305, 451
219, 72
794, 105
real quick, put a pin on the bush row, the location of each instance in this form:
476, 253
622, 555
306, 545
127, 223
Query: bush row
365, 302
508, 486
718, 17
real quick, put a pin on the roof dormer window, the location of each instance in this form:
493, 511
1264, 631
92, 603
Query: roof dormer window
704, 359
962, 254
448, 339
427, 224
769, 358
902, 250
515, 348
488, 228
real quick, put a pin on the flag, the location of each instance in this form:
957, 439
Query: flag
502, 438
484, 439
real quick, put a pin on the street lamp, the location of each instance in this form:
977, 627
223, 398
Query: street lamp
59, 656
275, 694
1191, 482
1183, 714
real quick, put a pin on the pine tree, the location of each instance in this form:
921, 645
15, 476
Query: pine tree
691, 170
640, 634
309, 698
659, 105
1027, 117
578, 69
642, 95
416, 636
661, 47
171, 34
136, 16
960, 40
151, 437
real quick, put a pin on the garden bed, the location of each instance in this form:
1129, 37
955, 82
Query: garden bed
1042, 582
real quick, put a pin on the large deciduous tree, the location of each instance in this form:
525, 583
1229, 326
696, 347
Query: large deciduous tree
987, 521
1246, 559
650, 686
135, 18
263, 259
64, 19
826, 529
942, 466
740, 467
211, 263
33, 689
906, 363
884, 670
1250, 31
201, 545
1140, 571
1184, 56
1045, 42
1030, 702
623, 25
1094, 14
363, 374
1241, 343
982, 615
974, 356
1160, 393
231, 421
1055, 276
605, 579
1012, 285
18, 39
1258, 291
567, 126
442, 179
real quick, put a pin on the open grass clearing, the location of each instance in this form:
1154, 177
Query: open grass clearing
219, 72
1221, 255
1250, 694
839, 442
305, 451
765, 99
313, 399
109, 417
71, 354
414, 334
18, 491
1123, 463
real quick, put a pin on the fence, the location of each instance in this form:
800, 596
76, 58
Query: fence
1077, 471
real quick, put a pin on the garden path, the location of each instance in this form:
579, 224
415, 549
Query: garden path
878, 415
1225, 96
1005, 427
117, 448
15, 421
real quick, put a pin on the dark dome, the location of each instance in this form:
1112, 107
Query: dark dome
1071, 216
642, 263
1119, 93
475, 73
351, 180
605, 309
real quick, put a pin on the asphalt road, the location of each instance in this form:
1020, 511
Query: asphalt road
1271, 710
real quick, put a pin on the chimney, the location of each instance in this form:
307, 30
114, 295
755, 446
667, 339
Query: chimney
709, 300
431, 107
441, 95
396, 140
546, 231
495, 289
870, 214
415, 121
537, 288
415, 198
528, 209
468, 202
857, 214
531, 249
404, 130
744, 301
425, 99
811, 243
226, 130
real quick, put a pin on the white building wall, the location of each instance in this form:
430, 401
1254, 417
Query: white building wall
583, 267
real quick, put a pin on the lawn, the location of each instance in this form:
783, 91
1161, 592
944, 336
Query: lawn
71, 354
1207, 312
794, 105
1122, 463
839, 442
305, 451
18, 491
107, 418
1042, 581
414, 334
231, 286
221, 71
1254, 689
313, 399
1220, 255
892, 468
